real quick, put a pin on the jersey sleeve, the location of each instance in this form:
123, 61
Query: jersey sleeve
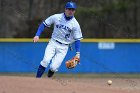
77, 32
49, 21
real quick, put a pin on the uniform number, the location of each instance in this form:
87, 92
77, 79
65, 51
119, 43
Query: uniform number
67, 36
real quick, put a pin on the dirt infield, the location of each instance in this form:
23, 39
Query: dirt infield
15, 84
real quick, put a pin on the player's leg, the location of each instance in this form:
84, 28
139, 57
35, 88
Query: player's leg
49, 53
40, 71
50, 73
61, 52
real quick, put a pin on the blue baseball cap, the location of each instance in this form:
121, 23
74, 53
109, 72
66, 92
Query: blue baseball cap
70, 5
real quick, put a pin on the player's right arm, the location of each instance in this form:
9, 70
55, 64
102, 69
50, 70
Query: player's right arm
46, 23
39, 31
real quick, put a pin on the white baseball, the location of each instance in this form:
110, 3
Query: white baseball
109, 82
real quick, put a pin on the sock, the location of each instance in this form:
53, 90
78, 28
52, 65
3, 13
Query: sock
50, 73
40, 71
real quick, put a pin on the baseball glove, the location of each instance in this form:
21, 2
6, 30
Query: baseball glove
72, 63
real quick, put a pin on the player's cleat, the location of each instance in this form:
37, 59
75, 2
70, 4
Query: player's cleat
50, 73
40, 71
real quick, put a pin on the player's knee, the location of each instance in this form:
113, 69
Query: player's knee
44, 63
46, 59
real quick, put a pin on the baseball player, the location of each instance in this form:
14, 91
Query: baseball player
66, 31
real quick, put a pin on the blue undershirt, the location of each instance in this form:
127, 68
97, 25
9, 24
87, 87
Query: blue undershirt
40, 29
68, 18
77, 46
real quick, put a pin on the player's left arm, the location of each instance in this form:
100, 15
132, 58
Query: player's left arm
77, 36
77, 48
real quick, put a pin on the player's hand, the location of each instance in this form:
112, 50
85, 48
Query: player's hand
36, 39
77, 55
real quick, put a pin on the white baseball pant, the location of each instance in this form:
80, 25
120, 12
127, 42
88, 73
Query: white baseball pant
54, 52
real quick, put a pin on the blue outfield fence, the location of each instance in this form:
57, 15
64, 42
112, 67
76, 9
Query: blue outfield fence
96, 57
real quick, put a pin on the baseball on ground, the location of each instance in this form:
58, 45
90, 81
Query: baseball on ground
109, 82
